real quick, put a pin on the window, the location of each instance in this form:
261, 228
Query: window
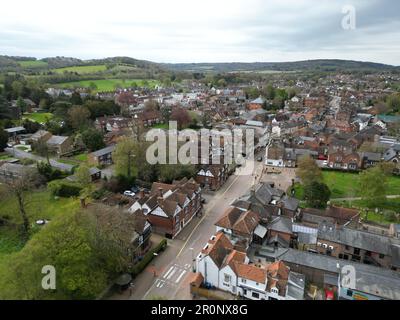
227, 278
243, 280
381, 256
357, 251
274, 290
347, 247
255, 295
350, 293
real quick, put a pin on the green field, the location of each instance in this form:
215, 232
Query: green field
82, 69
81, 157
33, 64
39, 205
38, 117
109, 84
346, 185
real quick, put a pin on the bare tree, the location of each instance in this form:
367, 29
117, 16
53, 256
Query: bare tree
111, 230
19, 188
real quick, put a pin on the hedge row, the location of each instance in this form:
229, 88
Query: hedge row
63, 188
149, 256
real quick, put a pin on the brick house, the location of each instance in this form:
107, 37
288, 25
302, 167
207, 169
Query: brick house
256, 104
212, 176
170, 207
358, 245
340, 160
60, 144
239, 226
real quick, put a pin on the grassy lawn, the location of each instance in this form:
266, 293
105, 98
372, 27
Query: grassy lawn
160, 126
39, 205
10, 242
390, 205
38, 116
108, 84
82, 69
346, 185
67, 161
33, 64
5, 156
81, 157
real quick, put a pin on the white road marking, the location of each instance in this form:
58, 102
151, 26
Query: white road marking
180, 276
172, 273
187, 265
166, 274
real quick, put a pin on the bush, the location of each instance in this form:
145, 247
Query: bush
119, 184
27, 162
390, 216
49, 172
97, 194
63, 188
140, 266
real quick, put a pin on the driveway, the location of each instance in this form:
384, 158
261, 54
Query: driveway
27, 155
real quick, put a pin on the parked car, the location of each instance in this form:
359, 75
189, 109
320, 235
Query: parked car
260, 158
129, 193
325, 163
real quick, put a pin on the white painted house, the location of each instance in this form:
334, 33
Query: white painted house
230, 270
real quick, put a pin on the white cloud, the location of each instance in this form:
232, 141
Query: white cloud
200, 31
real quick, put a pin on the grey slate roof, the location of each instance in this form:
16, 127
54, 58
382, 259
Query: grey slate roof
57, 140
358, 239
104, 151
281, 224
369, 279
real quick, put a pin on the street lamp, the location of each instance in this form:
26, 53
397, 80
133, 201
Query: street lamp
155, 254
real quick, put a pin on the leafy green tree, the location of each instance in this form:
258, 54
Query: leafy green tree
317, 194
83, 176
123, 157
78, 117
3, 139
170, 172
76, 98
373, 186
308, 170
93, 139
65, 244
42, 149
21, 104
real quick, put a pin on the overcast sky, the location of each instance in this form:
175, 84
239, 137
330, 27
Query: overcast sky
201, 30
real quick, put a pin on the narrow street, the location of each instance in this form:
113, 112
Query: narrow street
169, 274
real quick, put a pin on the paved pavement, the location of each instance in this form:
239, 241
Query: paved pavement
169, 274
281, 177
27, 155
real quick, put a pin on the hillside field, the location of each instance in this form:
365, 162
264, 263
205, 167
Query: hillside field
108, 84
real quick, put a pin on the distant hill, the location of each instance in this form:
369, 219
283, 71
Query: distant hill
21, 64
308, 65
30, 64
